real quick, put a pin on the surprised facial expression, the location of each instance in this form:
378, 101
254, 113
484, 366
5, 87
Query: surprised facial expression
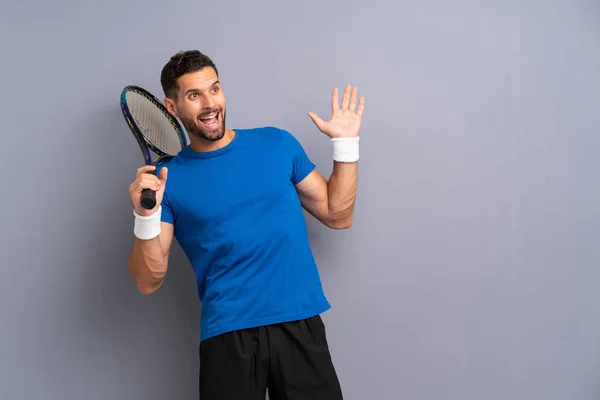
200, 104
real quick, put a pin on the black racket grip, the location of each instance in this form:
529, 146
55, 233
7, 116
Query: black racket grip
148, 199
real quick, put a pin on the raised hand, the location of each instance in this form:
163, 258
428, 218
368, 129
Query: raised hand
345, 120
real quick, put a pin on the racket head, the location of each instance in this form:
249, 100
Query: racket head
154, 130
153, 127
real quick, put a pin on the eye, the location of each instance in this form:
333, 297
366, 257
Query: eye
215, 89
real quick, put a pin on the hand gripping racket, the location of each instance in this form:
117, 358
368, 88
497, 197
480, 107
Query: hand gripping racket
153, 128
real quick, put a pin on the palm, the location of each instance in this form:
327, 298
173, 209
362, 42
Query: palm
345, 120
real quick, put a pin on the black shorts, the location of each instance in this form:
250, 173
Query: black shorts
291, 360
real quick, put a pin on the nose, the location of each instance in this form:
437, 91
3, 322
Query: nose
208, 102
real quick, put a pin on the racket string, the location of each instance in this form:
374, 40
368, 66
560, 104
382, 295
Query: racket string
154, 125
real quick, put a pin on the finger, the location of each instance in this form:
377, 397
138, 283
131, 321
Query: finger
162, 175
148, 182
145, 169
150, 177
146, 185
335, 100
346, 97
316, 119
361, 106
353, 98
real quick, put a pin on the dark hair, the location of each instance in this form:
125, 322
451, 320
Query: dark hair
180, 64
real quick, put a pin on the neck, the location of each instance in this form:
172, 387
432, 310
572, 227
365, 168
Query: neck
202, 145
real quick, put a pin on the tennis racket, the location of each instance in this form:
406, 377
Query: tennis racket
153, 128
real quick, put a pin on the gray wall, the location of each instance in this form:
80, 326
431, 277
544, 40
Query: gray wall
472, 268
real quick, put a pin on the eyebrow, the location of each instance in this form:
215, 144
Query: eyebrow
196, 90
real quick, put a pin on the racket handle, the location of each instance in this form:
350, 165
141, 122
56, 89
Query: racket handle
148, 199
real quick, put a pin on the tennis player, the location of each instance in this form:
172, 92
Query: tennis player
233, 199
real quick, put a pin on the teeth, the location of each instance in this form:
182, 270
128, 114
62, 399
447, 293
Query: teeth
210, 116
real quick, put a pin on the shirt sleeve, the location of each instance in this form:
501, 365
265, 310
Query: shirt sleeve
301, 163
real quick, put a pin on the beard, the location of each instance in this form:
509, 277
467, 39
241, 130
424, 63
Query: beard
203, 131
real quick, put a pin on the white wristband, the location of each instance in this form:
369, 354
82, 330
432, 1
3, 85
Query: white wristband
345, 149
148, 227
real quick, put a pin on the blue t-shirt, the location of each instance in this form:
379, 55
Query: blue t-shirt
238, 218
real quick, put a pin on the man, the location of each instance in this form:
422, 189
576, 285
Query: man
234, 202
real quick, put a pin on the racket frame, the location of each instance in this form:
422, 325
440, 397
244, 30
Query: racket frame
149, 202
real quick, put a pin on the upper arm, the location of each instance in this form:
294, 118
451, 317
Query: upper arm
312, 191
310, 184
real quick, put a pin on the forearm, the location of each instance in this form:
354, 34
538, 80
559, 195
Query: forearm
147, 263
341, 193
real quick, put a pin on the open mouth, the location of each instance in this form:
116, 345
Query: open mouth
210, 121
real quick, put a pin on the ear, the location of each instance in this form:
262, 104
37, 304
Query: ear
170, 104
